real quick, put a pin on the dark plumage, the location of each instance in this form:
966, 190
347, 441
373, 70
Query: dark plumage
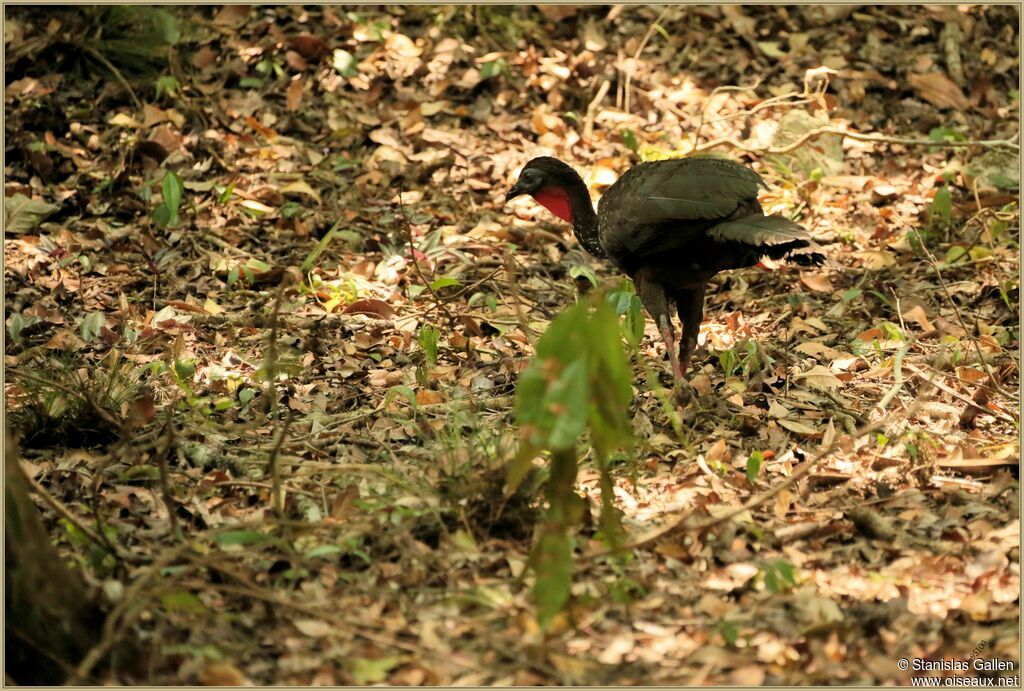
671, 226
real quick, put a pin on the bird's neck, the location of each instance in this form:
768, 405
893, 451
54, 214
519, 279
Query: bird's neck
575, 200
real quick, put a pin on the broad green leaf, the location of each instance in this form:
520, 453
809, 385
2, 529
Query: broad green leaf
553, 566
344, 63
578, 270
22, 214
567, 401
444, 282
366, 671
754, 462
428, 339
955, 252
323, 551
185, 369
173, 189
91, 325
182, 602
314, 254
242, 537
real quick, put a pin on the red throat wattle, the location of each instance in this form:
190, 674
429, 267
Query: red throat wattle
556, 200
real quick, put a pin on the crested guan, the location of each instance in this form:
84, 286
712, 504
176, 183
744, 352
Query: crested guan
671, 226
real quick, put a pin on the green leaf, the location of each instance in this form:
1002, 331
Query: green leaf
245, 395
428, 339
946, 134
553, 565
779, 575
955, 252
173, 188
851, 294
323, 551
405, 391
727, 359
729, 632
166, 25
344, 63
140, 472
91, 325
754, 462
567, 401
629, 139
242, 537
578, 270
634, 322
185, 369
493, 68
444, 282
366, 671
22, 214
182, 602
166, 83
941, 210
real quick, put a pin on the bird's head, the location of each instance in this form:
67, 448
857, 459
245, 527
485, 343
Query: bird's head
549, 181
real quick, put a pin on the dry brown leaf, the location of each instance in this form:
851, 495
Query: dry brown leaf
917, 315
372, 306
718, 452
939, 90
294, 97
222, 674
429, 397
798, 427
818, 377
816, 282
558, 13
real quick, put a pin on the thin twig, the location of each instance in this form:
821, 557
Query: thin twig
959, 396
416, 264
271, 367
902, 141
588, 123
897, 376
275, 466
116, 72
165, 470
956, 310
639, 50
71, 518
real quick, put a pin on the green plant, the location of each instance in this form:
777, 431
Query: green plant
746, 356
579, 380
166, 213
779, 576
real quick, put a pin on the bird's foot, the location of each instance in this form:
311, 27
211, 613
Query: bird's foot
683, 392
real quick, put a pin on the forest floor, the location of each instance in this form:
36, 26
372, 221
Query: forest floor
178, 308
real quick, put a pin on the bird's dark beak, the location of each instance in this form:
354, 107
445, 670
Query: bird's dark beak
513, 193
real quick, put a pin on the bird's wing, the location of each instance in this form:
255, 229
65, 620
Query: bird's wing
683, 189
760, 231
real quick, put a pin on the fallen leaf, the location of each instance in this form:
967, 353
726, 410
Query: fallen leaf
378, 308
820, 378
939, 90
798, 427
816, 282
294, 97
917, 315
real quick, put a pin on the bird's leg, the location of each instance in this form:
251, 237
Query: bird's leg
655, 301
668, 335
690, 305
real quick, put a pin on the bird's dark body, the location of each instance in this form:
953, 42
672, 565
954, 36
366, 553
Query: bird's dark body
671, 226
